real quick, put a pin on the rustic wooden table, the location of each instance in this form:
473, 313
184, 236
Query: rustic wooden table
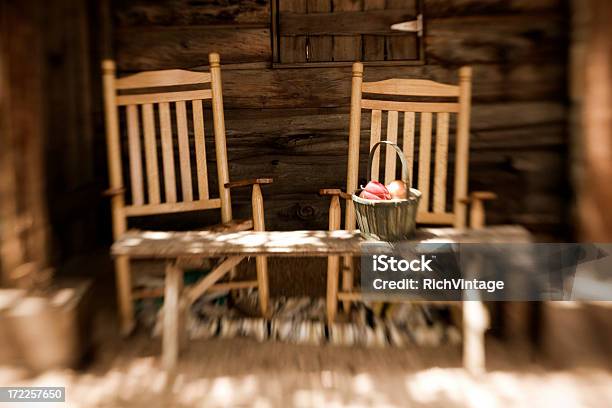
180, 248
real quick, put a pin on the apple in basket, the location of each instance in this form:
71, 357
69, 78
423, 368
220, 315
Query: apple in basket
398, 189
375, 191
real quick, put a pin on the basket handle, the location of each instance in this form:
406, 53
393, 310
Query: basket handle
405, 177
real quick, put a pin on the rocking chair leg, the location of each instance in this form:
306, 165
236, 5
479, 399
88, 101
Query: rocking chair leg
124, 295
475, 323
347, 280
261, 261
333, 263
173, 328
262, 284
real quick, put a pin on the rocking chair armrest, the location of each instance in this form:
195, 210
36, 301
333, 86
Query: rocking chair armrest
334, 192
113, 191
248, 182
476, 201
335, 209
479, 196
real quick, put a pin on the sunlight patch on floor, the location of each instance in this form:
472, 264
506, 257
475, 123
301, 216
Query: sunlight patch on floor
142, 382
503, 389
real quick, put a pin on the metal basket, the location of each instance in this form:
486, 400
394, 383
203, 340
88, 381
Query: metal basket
387, 220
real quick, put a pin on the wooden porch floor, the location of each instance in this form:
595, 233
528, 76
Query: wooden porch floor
243, 372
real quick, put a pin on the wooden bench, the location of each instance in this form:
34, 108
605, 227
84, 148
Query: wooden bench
182, 248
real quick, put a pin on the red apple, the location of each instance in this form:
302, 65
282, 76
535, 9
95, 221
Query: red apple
368, 195
378, 190
398, 189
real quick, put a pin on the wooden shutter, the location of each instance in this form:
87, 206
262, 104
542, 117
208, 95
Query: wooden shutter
315, 32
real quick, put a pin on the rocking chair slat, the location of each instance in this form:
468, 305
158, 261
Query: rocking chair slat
430, 107
152, 209
390, 156
439, 199
171, 77
409, 142
375, 130
148, 121
424, 160
435, 218
411, 87
163, 97
167, 152
183, 142
200, 145
135, 155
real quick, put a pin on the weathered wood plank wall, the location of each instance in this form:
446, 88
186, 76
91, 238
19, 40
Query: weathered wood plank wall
292, 124
71, 86
24, 222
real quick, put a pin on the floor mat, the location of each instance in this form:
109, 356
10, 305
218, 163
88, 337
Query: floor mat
301, 320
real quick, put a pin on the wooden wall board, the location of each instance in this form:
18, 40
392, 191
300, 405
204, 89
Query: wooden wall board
162, 47
129, 13
450, 8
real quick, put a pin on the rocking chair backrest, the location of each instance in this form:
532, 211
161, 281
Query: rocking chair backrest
433, 207
153, 191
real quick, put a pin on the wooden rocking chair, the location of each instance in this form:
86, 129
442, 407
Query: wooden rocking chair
138, 94
433, 209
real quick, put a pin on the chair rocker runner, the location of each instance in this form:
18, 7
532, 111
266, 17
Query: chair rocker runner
139, 96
